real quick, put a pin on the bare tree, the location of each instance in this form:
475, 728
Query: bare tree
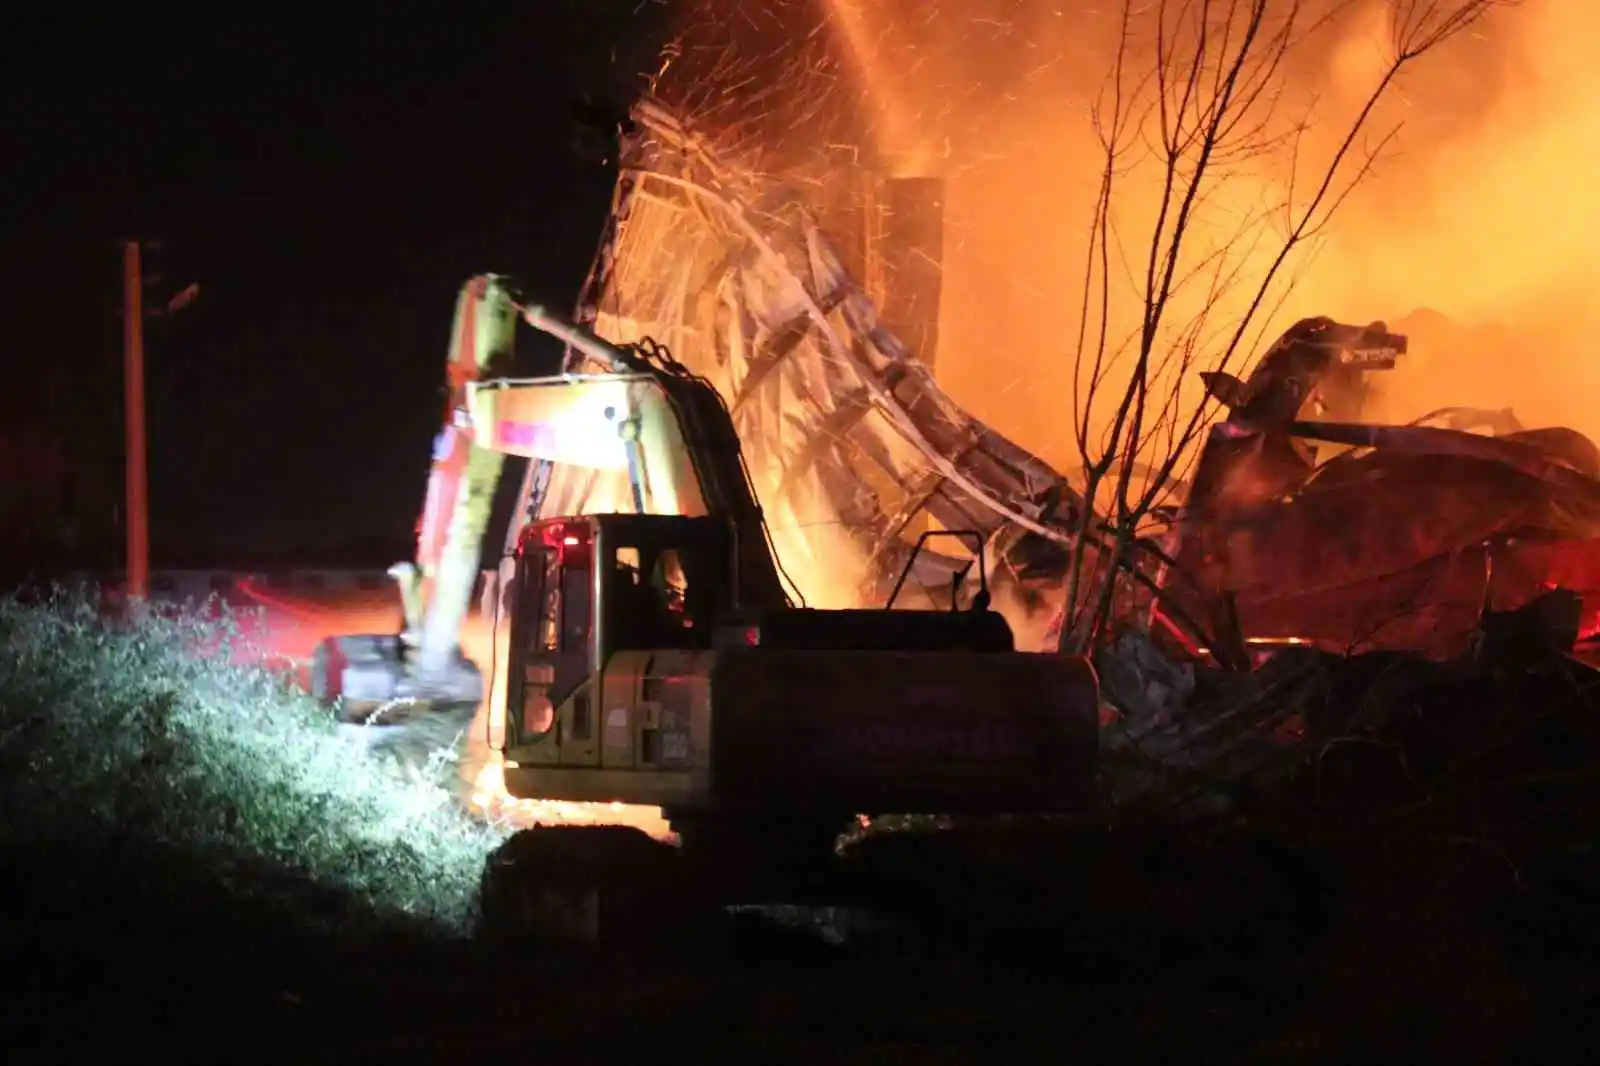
1199, 102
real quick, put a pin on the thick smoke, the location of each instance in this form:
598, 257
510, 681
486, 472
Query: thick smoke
1475, 209
1485, 217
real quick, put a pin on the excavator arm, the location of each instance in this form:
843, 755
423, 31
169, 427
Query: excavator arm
436, 589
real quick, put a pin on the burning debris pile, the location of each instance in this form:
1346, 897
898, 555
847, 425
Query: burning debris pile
1306, 523
1381, 652
1335, 618
1424, 793
1197, 740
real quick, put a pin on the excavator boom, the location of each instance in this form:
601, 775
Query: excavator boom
437, 589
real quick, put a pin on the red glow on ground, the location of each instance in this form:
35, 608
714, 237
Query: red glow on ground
287, 626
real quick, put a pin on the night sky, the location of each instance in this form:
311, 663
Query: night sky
330, 186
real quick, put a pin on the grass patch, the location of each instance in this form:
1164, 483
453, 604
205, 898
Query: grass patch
153, 759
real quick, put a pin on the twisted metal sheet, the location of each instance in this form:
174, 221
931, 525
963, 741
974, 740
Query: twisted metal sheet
849, 438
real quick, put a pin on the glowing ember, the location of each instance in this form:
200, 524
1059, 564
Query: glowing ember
897, 128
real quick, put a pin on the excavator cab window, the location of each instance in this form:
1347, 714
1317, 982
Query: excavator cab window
547, 602
552, 626
575, 606
640, 613
665, 594
564, 614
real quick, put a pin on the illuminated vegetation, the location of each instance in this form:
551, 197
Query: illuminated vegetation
155, 751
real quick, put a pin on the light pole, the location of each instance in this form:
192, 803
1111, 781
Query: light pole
137, 518
138, 503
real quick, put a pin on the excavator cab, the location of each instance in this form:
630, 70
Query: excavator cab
589, 587
586, 588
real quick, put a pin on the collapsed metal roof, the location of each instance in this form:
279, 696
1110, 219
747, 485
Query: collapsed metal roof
851, 442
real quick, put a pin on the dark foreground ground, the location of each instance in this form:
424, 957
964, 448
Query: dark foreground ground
1425, 888
155, 965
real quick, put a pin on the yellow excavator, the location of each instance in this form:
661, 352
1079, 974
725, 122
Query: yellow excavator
655, 653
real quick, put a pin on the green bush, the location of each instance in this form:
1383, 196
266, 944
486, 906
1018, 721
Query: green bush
162, 734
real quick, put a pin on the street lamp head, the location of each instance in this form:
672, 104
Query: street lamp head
188, 296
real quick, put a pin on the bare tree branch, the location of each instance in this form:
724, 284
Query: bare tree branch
1197, 90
